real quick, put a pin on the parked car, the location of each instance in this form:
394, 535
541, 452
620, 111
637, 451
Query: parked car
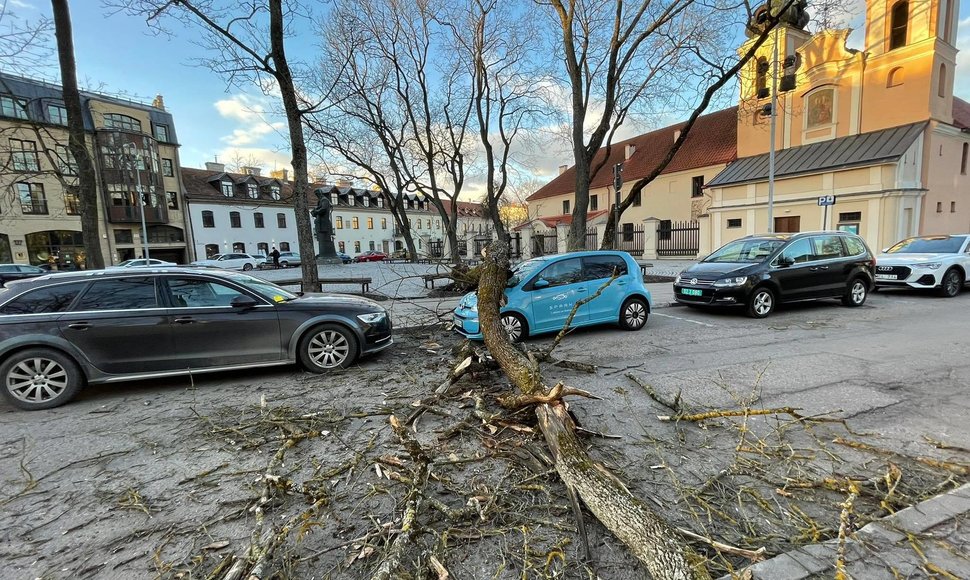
344, 258
61, 331
543, 291
939, 262
287, 259
371, 256
261, 259
758, 272
229, 262
140, 263
10, 272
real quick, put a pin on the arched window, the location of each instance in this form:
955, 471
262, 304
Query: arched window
761, 78
209, 221
211, 250
284, 246
239, 247
118, 121
899, 24
941, 89
895, 77
262, 248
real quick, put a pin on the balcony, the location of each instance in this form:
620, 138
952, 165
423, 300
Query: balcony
128, 214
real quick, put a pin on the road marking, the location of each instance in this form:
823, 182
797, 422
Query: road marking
685, 319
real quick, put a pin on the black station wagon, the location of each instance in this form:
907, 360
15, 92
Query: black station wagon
758, 272
63, 330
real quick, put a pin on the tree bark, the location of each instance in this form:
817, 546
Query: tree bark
87, 191
648, 536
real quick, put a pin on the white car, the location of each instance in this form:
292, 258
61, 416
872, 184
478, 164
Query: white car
940, 262
229, 262
140, 263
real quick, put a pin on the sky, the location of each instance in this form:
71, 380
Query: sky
116, 53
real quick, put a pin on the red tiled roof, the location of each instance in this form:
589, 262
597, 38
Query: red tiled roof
713, 140
198, 186
466, 208
961, 113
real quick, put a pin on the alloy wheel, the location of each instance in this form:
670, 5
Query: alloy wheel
512, 326
951, 284
36, 380
635, 314
858, 292
763, 303
328, 349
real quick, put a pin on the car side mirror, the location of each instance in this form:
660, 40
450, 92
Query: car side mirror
885, 250
785, 261
243, 301
540, 283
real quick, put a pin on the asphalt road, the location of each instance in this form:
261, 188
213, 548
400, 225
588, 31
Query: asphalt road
899, 365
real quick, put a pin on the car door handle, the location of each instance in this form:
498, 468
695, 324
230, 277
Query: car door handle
580, 289
621, 283
184, 320
79, 325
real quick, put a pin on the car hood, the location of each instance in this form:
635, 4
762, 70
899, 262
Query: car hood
903, 259
716, 269
318, 299
469, 300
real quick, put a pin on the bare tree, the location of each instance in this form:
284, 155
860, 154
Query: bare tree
246, 43
87, 184
237, 162
24, 45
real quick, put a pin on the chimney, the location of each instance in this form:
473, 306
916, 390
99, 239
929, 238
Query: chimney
251, 171
344, 182
562, 169
159, 102
630, 150
281, 174
676, 135
215, 167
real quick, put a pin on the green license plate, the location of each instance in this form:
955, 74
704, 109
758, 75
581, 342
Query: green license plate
691, 292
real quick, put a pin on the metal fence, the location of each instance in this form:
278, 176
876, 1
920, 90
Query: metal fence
515, 245
592, 239
632, 238
678, 238
436, 248
544, 244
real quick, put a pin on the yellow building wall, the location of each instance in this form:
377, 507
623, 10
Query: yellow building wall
946, 206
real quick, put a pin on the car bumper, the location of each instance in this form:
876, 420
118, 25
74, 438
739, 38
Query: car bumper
377, 336
909, 277
467, 325
711, 296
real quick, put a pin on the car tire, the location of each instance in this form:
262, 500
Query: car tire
952, 283
761, 303
284, 264
327, 347
247, 267
856, 293
40, 378
515, 326
634, 314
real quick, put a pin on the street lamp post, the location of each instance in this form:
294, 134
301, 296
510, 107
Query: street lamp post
134, 158
771, 151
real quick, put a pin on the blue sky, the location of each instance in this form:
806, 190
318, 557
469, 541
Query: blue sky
116, 53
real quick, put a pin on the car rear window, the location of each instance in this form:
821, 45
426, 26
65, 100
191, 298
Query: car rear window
44, 300
119, 294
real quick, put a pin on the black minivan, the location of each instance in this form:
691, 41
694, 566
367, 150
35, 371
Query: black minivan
760, 271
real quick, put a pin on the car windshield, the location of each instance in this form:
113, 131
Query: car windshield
262, 287
746, 251
928, 245
524, 271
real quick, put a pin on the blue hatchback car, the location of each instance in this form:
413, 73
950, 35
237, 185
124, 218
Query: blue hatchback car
542, 292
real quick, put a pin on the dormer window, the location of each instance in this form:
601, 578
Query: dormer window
274, 191
334, 199
380, 201
366, 201
118, 121
350, 199
252, 190
899, 24
226, 188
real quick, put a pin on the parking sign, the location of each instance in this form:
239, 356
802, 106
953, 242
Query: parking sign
825, 200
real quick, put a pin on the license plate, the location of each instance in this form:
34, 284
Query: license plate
886, 277
691, 292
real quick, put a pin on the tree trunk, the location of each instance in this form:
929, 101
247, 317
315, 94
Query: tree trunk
87, 180
294, 120
651, 539
452, 234
577, 229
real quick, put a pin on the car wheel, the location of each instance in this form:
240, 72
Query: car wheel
328, 347
856, 293
633, 315
40, 378
284, 264
247, 267
514, 326
761, 303
952, 283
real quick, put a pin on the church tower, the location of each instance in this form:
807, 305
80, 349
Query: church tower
911, 62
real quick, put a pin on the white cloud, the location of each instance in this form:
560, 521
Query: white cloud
267, 159
254, 116
20, 4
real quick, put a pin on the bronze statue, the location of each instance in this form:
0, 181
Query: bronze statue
322, 213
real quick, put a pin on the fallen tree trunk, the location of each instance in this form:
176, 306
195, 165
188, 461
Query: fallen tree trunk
651, 539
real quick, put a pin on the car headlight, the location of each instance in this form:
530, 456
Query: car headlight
677, 279
730, 282
929, 265
372, 318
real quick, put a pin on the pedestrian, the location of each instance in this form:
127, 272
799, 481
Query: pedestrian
275, 254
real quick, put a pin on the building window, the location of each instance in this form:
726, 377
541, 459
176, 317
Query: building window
429, 224
953, 207
13, 107
262, 248
594, 202
117, 121
173, 200
208, 219
380, 201
664, 230
734, 223
342, 247
334, 199
963, 161
339, 223
899, 22
123, 237
258, 220
372, 246
72, 203
941, 89
281, 221
274, 192
820, 107
161, 133
65, 160
356, 222
565, 206
168, 170
761, 78
419, 223
211, 250
253, 190
366, 200
32, 198
384, 220
697, 186
23, 155
895, 77
637, 200
370, 222
850, 216
57, 114
939, 207
239, 247
226, 188
235, 221
284, 246
356, 247
350, 198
